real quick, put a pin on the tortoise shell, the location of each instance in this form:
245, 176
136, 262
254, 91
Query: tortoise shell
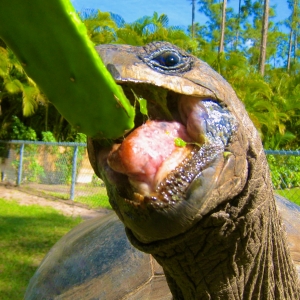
96, 261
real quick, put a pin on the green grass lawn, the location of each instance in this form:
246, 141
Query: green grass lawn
291, 194
94, 201
26, 234
97, 200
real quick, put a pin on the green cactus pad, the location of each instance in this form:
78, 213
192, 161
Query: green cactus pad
51, 42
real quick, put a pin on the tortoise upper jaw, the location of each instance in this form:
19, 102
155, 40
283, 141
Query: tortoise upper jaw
132, 66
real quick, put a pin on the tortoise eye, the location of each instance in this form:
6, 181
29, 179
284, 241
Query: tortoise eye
167, 59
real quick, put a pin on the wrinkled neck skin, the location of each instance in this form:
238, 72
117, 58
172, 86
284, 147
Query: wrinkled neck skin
239, 251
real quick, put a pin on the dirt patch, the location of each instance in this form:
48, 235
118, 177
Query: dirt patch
66, 207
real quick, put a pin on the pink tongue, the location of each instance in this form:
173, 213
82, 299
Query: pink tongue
146, 149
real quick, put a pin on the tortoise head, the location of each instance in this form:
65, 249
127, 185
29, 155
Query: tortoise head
188, 151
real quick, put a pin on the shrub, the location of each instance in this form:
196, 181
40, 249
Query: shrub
285, 171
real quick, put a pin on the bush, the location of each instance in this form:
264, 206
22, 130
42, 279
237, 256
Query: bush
285, 171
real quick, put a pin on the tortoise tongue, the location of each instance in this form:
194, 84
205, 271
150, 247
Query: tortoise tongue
149, 154
194, 115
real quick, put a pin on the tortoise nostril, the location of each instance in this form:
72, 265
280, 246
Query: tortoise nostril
113, 71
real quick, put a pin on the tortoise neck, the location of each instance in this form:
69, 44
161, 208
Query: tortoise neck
232, 259
238, 252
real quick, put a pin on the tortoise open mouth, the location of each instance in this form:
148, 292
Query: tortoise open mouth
169, 148
161, 197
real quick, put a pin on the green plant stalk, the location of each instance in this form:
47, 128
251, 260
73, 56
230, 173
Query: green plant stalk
52, 44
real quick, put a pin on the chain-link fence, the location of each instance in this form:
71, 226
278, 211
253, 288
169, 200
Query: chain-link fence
285, 172
63, 170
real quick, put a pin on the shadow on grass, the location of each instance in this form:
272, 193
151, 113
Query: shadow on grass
26, 234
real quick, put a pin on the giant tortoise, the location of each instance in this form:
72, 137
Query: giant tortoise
192, 188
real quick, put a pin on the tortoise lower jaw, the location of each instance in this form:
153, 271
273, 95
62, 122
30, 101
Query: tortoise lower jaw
175, 187
206, 125
159, 216
161, 172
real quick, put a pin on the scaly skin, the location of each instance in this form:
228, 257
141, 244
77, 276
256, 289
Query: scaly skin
224, 240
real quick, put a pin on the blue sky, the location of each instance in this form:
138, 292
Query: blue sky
178, 11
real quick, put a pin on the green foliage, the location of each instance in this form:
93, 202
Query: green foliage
33, 170
14, 81
285, 171
101, 28
31, 167
80, 138
279, 141
27, 234
18, 131
47, 136
271, 101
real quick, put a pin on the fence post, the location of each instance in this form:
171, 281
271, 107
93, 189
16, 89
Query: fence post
20, 169
74, 166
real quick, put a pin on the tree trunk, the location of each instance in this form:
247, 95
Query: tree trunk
221, 47
295, 47
264, 37
193, 18
46, 116
292, 34
238, 26
296, 28
290, 51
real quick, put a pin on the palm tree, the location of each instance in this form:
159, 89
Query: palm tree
264, 37
293, 24
100, 26
14, 81
221, 45
154, 28
238, 20
193, 2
